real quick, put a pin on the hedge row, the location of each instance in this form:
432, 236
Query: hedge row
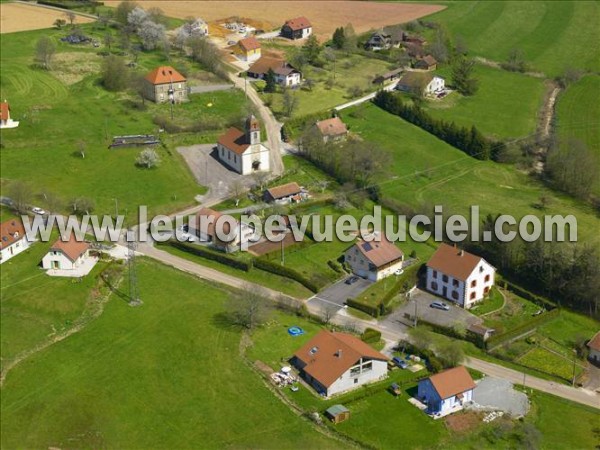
222, 258
71, 4
287, 272
370, 336
369, 309
530, 325
528, 295
449, 331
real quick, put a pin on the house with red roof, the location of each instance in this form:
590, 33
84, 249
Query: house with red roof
13, 239
221, 231
375, 258
333, 363
242, 150
70, 258
248, 49
594, 348
285, 74
5, 120
165, 84
332, 130
298, 28
459, 276
446, 392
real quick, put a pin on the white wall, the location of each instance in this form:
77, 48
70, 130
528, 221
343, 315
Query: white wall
255, 152
435, 85
14, 249
52, 257
347, 381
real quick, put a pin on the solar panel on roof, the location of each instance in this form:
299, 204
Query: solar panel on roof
367, 246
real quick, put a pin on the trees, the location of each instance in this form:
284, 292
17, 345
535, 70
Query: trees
151, 34
573, 168
270, 83
147, 159
137, 17
138, 86
515, 61
123, 10
237, 191
462, 75
71, 17
115, 75
290, 102
420, 338
59, 23
204, 52
312, 49
249, 309
451, 353
309, 83
350, 39
108, 39
330, 56
44, 51
339, 38
82, 205
440, 48
298, 60
21, 195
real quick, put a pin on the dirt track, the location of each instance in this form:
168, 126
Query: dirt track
324, 15
19, 17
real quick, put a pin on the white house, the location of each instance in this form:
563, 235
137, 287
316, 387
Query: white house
208, 221
298, 28
13, 239
69, 258
446, 392
422, 83
374, 259
242, 151
334, 362
594, 346
459, 276
5, 120
285, 74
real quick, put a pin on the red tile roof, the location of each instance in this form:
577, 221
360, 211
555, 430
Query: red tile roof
452, 382
234, 140
285, 190
454, 262
299, 23
379, 253
4, 111
209, 228
249, 43
10, 232
335, 354
278, 66
594, 343
164, 75
72, 248
332, 127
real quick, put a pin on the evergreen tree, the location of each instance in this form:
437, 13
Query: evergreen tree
312, 49
271, 84
339, 38
462, 75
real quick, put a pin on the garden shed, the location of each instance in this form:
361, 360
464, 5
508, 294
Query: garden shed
338, 413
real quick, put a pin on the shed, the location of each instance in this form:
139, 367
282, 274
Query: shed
338, 413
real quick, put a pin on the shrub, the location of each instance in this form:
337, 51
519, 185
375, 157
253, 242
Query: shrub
335, 266
148, 158
371, 336
369, 309
287, 272
204, 252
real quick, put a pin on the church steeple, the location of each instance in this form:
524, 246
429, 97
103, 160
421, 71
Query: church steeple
252, 130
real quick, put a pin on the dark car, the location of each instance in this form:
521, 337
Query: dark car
351, 280
399, 362
440, 305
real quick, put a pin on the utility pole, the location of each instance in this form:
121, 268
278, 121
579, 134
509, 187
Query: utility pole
282, 252
134, 295
171, 92
574, 367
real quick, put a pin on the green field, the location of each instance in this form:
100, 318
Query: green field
505, 106
163, 375
36, 307
554, 35
427, 171
56, 115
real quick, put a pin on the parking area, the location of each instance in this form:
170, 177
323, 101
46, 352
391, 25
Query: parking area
499, 395
422, 300
336, 295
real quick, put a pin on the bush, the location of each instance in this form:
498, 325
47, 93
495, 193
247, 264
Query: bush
522, 329
287, 272
369, 309
335, 266
371, 336
203, 252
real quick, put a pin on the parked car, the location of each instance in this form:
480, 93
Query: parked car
38, 211
440, 305
353, 279
400, 362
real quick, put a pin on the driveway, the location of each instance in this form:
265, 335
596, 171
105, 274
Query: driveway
422, 300
210, 88
497, 394
336, 295
209, 171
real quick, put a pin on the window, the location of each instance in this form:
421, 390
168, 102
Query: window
480, 269
445, 278
435, 274
368, 366
473, 283
455, 282
455, 295
472, 297
486, 290
487, 278
434, 285
235, 158
356, 381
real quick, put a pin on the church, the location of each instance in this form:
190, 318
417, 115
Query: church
242, 151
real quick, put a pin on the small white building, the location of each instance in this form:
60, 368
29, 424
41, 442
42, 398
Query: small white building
298, 28
242, 151
594, 346
5, 120
421, 83
208, 222
459, 276
284, 73
333, 363
446, 392
286, 193
374, 259
69, 258
13, 239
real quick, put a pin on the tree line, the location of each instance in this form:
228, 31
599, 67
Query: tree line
469, 140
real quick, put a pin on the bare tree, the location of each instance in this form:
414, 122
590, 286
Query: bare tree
44, 51
138, 86
237, 191
108, 40
151, 34
451, 353
290, 102
260, 179
250, 308
21, 195
328, 314
421, 338
71, 17
59, 23
82, 205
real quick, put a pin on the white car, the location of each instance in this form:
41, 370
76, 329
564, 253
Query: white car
399, 272
38, 211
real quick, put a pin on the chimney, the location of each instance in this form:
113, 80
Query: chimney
339, 353
461, 253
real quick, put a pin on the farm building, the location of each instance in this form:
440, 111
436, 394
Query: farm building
248, 49
242, 151
459, 276
337, 413
14, 240
392, 75
286, 193
446, 392
420, 83
332, 130
333, 362
5, 120
69, 258
298, 28
384, 40
165, 84
285, 74
207, 222
594, 346
427, 62
374, 259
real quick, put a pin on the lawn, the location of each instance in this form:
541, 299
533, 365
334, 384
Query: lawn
516, 311
541, 359
427, 171
492, 303
553, 35
34, 306
163, 375
57, 115
505, 106
568, 327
